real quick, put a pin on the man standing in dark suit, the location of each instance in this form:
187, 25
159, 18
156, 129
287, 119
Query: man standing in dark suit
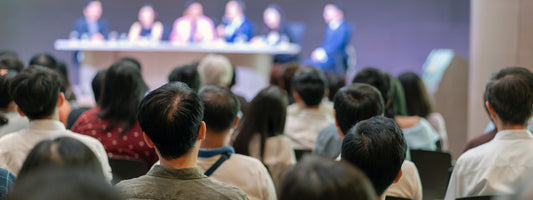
90, 23
235, 26
331, 56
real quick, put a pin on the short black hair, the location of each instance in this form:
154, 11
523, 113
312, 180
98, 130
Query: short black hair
171, 117
316, 177
357, 102
376, 146
190, 3
511, 96
187, 74
87, 2
310, 84
5, 97
130, 61
96, 85
377, 78
221, 107
44, 59
35, 90
11, 63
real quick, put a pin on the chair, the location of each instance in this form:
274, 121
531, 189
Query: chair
299, 153
434, 169
124, 169
395, 198
477, 198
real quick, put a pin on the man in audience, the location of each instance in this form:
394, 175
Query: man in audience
378, 148
235, 26
302, 127
171, 118
218, 159
187, 74
499, 166
194, 26
91, 24
36, 91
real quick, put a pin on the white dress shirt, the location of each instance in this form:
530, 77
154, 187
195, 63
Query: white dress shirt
409, 186
14, 147
494, 168
15, 122
303, 127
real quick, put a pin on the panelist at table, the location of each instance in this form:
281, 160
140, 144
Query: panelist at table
146, 27
194, 26
91, 24
235, 26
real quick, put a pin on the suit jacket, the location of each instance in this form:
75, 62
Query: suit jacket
82, 27
246, 29
334, 44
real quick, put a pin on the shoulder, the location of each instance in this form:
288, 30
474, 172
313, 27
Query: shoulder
248, 162
227, 191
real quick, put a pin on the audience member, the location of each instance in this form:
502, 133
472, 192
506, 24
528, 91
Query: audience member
260, 133
187, 74
499, 166
377, 147
36, 91
171, 118
146, 27
90, 24
10, 119
194, 26
130, 61
235, 26
318, 178
7, 180
114, 120
335, 83
96, 85
285, 82
215, 70
218, 159
10, 62
304, 123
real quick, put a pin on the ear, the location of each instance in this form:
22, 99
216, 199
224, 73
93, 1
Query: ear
20, 112
148, 141
236, 122
201, 131
341, 134
492, 113
398, 177
60, 100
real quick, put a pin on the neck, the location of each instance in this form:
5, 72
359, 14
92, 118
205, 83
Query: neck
11, 107
506, 126
216, 139
186, 161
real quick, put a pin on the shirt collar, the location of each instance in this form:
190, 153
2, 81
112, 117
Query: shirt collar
47, 124
513, 134
207, 153
334, 25
175, 173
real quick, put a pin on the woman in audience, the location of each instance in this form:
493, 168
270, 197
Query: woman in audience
114, 120
260, 133
146, 27
319, 178
10, 119
418, 104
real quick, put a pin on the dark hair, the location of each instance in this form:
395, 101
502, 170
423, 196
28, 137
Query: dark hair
397, 105
187, 74
123, 89
511, 95
416, 96
189, 4
357, 102
316, 177
49, 61
97, 83
278, 9
11, 63
376, 78
130, 61
335, 82
5, 97
288, 73
35, 91
220, 107
88, 2
62, 183
62, 151
265, 116
377, 147
171, 117
310, 84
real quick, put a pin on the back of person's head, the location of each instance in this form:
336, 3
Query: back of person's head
265, 116
356, 102
288, 73
316, 177
220, 107
96, 85
44, 59
62, 151
171, 117
397, 106
11, 63
62, 183
215, 70
130, 61
310, 85
377, 78
416, 95
377, 147
187, 74
5, 97
335, 83
510, 94
123, 89
36, 91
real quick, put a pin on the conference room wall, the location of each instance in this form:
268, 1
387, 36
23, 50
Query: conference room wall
393, 35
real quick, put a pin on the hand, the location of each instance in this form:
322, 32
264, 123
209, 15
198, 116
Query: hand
97, 37
319, 55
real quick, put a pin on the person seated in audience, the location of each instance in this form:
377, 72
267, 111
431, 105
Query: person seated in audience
260, 133
96, 85
171, 118
91, 24
302, 126
331, 56
146, 27
61, 151
187, 74
8, 61
318, 178
419, 104
418, 132
499, 166
63, 183
235, 26
7, 181
285, 81
10, 119
37, 93
114, 120
377, 147
194, 26
247, 173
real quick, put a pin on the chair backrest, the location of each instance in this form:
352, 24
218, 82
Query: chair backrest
124, 169
434, 169
477, 198
299, 153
